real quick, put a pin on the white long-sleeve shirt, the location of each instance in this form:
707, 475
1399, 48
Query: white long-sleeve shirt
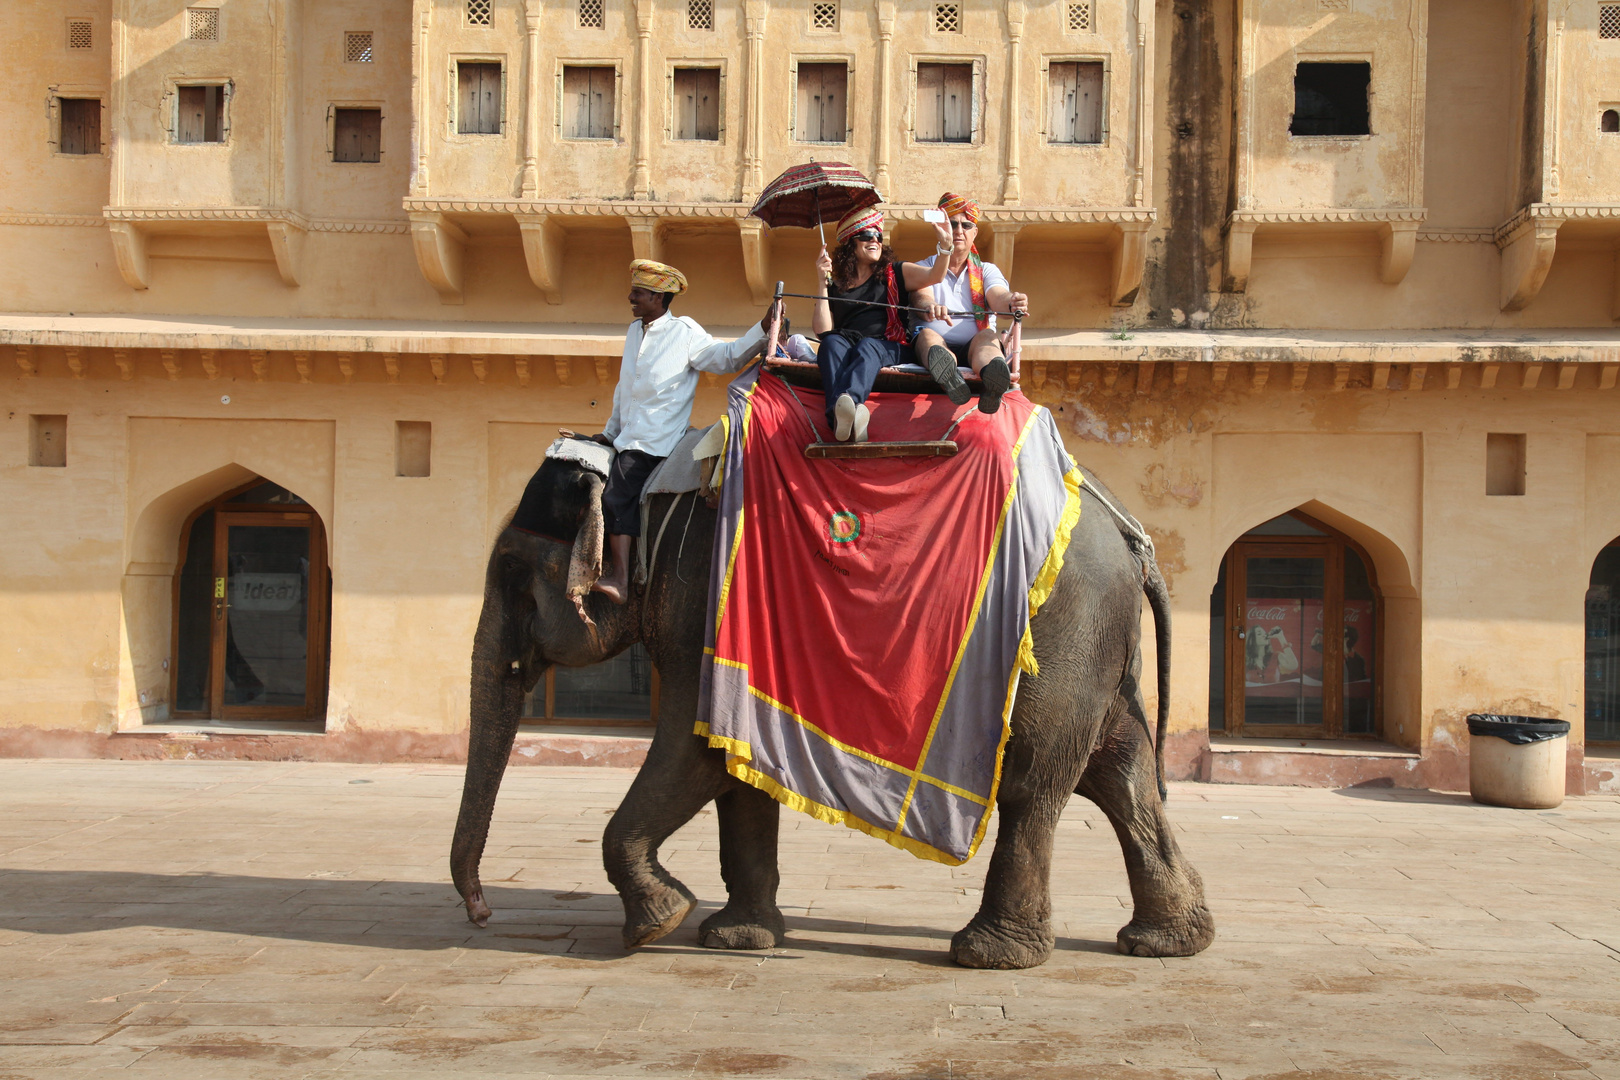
652, 405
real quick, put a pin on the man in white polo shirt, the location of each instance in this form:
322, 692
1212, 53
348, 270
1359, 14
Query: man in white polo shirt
970, 284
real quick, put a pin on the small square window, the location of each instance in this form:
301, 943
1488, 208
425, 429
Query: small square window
590, 14
1609, 122
823, 106
1079, 20
1331, 99
479, 12
587, 104
700, 14
200, 114
357, 47
413, 448
80, 35
697, 104
1076, 102
824, 15
1504, 464
948, 18
1609, 21
202, 24
478, 99
47, 441
357, 135
80, 126
944, 103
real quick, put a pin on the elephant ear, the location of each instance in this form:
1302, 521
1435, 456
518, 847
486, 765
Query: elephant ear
585, 564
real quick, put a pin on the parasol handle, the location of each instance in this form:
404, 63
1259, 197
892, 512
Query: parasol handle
774, 333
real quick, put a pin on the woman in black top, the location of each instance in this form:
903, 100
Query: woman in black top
858, 339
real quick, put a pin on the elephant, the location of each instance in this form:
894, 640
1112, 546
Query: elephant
1078, 727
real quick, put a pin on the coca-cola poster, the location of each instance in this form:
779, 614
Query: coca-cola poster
1282, 651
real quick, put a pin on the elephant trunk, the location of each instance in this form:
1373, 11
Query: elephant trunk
497, 703
585, 563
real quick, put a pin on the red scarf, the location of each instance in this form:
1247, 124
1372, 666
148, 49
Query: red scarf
893, 328
975, 269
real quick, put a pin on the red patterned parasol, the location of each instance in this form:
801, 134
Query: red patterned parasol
806, 195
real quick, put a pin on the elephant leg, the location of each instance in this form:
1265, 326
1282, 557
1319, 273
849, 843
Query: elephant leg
497, 703
679, 778
1013, 926
749, 820
1170, 917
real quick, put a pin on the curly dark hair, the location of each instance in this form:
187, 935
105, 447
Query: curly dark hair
843, 260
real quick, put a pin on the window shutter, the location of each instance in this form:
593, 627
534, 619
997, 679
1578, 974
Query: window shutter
958, 103
930, 120
331, 131
1088, 120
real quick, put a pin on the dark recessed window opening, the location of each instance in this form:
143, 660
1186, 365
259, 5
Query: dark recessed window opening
1331, 99
202, 114
1611, 121
81, 126
357, 135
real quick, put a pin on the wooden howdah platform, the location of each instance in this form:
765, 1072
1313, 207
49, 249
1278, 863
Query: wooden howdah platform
808, 376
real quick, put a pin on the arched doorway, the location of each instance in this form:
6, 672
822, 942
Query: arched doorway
1603, 648
1296, 635
252, 609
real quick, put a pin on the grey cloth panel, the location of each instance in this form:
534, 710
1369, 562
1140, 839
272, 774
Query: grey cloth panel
960, 754
819, 769
943, 820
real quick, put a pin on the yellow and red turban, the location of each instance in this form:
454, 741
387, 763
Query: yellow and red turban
954, 204
656, 276
856, 220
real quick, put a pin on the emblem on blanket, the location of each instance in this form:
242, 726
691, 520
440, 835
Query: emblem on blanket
879, 697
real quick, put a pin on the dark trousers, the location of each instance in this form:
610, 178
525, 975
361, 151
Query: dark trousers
621, 499
848, 367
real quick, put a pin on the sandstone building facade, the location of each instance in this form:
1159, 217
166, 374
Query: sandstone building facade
295, 294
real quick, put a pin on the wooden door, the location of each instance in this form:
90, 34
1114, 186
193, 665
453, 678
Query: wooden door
1284, 655
268, 632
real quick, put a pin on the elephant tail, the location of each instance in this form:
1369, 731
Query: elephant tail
1158, 596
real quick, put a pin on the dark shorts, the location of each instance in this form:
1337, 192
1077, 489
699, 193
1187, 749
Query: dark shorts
621, 500
961, 351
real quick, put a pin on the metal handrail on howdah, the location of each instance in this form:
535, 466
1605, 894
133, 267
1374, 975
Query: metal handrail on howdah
1016, 316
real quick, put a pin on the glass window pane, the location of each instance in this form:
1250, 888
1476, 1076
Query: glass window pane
196, 608
1282, 655
1217, 652
1360, 629
266, 644
616, 689
1603, 649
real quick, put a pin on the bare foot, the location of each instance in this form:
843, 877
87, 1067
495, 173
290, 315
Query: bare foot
613, 590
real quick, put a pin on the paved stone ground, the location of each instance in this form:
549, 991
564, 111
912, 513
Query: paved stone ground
184, 919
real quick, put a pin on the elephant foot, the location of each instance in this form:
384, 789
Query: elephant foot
1187, 936
982, 944
478, 912
743, 928
653, 914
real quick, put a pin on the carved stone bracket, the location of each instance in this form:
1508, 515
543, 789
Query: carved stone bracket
756, 251
1528, 242
646, 238
1397, 230
287, 242
1129, 261
440, 248
129, 249
543, 253
131, 226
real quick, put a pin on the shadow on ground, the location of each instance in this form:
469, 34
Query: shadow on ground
397, 914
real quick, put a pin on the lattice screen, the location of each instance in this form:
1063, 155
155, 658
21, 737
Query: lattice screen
824, 15
357, 46
590, 14
478, 12
700, 14
1079, 17
1609, 20
202, 24
79, 34
1333, 5
948, 18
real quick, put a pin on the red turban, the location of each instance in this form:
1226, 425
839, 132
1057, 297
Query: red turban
856, 220
954, 204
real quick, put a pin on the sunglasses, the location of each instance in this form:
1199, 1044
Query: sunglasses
866, 236
963, 226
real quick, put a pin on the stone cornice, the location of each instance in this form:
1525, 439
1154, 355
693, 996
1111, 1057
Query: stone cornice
1329, 216
639, 208
157, 214
1551, 215
17, 217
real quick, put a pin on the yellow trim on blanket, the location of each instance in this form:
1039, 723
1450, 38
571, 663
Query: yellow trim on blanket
973, 620
911, 774
738, 754
720, 463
